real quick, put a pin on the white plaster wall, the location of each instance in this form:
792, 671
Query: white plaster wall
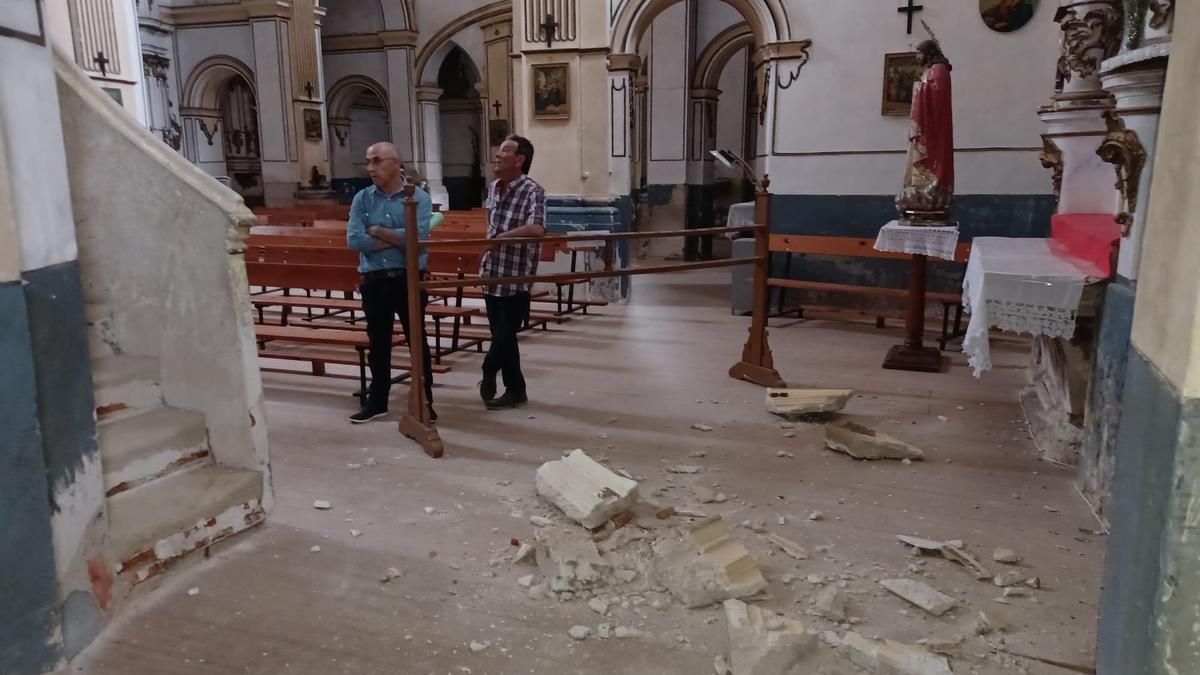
10, 245
456, 142
834, 106
714, 16
33, 138
668, 93
731, 107
470, 39
434, 15
366, 64
366, 128
193, 45
346, 17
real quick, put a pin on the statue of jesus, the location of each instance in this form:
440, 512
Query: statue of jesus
929, 178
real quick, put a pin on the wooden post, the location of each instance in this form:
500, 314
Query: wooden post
757, 365
416, 423
913, 354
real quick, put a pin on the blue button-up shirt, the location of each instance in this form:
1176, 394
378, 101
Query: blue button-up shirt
372, 207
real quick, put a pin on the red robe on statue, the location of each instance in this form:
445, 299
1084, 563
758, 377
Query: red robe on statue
929, 180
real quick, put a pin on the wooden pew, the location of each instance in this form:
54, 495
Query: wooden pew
859, 248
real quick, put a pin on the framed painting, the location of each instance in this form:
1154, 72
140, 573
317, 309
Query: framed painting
901, 70
551, 91
1005, 16
312, 124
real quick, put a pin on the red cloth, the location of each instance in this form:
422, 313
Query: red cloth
933, 119
1090, 236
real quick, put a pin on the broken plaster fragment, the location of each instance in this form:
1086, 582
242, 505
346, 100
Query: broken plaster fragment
701, 427
893, 658
685, 468
569, 560
704, 564
579, 632
788, 546
862, 442
792, 403
322, 505
1006, 556
575, 484
927, 598
764, 643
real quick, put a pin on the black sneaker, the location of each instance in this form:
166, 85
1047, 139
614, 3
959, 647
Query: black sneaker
432, 414
367, 413
508, 400
487, 388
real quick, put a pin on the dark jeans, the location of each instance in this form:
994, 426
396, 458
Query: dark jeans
382, 299
507, 314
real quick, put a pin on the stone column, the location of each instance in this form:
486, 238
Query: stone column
431, 144
203, 142
496, 87
700, 196
399, 45
273, 88
622, 69
485, 146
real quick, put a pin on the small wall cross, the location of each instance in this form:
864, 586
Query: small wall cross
910, 10
550, 25
102, 62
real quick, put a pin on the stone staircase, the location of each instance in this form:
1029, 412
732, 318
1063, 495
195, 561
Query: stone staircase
166, 495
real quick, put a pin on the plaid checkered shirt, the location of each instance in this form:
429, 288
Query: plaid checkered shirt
523, 203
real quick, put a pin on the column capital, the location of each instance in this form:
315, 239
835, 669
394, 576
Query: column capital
398, 38
268, 9
427, 94
783, 51
618, 62
705, 94
496, 30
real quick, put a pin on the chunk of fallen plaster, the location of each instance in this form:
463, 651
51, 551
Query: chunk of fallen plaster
1010, 578
598, 605
865, 443
580, 632
831, 604
764, 643
927, 598
788, 546
322, 505
585, 489
800, 402
685, 468
893, 658
704, 564
569, 560
1006, 556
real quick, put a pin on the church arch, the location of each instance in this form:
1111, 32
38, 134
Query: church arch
767, 20
431, 55
356, 17
711, 62
341, 96
206, 83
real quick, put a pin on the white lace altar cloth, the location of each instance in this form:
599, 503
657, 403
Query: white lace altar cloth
938, 242
1021, 285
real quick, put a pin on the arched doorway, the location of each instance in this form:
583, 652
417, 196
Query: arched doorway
460, 117
243, 153
358, 117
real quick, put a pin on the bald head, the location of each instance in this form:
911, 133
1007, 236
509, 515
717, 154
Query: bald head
384, 168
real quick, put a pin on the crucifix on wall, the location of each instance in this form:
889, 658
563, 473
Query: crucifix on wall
308, 90
550, 25
101, 62
497, 106
910, 10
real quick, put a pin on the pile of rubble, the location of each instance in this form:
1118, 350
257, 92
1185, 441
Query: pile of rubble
615, 550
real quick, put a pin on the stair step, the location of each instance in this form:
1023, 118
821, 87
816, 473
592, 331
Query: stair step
180, 512
124, 384
144, 446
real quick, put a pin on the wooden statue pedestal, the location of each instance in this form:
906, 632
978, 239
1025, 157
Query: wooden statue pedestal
913, 354
919, 359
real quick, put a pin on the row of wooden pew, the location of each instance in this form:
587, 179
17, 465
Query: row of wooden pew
304, 282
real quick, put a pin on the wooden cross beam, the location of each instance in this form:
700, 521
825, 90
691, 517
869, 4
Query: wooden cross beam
910, 10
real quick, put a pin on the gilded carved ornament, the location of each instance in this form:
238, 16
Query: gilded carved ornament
1052, 158
1122, 148
1089, 39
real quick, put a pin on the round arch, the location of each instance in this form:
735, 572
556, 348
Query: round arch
430, 56
717, 53
202, 88
340, 97
767, 20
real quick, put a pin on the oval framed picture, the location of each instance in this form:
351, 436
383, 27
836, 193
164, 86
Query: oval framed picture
1005, 16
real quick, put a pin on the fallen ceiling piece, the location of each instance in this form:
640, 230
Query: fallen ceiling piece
764, 643
584, 489
704, 564
865, 443
800, 402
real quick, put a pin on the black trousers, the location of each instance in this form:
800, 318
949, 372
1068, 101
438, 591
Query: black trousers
507, 314
382, 299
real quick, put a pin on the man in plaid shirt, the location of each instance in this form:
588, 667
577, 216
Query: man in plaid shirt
516, 207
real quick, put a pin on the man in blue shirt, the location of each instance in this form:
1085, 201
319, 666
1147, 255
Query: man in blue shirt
376, 231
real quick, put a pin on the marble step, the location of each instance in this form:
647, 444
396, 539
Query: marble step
124, 385
139, 448
153, 524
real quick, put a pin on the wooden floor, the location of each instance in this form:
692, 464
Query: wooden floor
625, 385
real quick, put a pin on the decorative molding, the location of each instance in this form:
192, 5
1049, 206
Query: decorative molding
631, 62
427, 94
1088, 40
782, 51
1123, 149
359, 42
1052, 158
762, 97
398, 38
268, 9
1160, 12
702, 94
792, 77
564, 13
208, 134
225, 13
